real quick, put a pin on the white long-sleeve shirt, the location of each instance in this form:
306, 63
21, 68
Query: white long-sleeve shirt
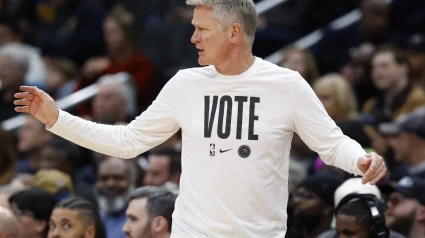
237, 133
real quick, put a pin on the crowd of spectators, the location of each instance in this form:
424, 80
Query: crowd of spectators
370, 77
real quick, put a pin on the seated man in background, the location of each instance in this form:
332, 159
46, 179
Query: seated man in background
32, 207
116, 180
9, 227
164, 168
362, 215
76, 217
406, 208
149, 213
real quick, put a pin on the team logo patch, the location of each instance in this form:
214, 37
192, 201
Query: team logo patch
244, 151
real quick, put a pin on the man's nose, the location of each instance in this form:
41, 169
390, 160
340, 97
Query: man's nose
195, 37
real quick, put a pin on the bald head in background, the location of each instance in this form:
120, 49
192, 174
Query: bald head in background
9, 226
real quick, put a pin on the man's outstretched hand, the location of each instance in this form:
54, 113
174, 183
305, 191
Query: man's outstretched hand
37, 103
373, 166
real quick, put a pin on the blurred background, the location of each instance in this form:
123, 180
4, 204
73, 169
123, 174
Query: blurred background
106, 60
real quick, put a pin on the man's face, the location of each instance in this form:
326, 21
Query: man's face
66, 223
137, 224
10, 74
6, 35
400, 145
375, 19
401, 213
159, 170
386, 72
108, 105
113, 184
308, 208
28, 226
32, 135
348, 227
53, 158
213, 43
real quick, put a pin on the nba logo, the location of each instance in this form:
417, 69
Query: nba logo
212, 149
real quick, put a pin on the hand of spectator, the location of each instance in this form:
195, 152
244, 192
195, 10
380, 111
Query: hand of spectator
373, 166
95, 66
37, 103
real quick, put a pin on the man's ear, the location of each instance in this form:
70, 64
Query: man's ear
236, 32
90, 232
40, 226
159, 225
420, 215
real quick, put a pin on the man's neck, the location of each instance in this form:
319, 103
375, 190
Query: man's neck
236, 63
418, 230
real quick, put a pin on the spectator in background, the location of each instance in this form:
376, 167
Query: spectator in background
300, 60
8, 157
121, 40
71, 29
390, 74
9, 227
55, 182
32, 136
32, 207
13, 68
416, 54
332, 51
60, 154
76, 217
356, 217
337, 97
164, 167
406, 208
396, 95
116, 180
406, 137
115, 101
149, 213
313, 205
11, 40
358, 72
61, 80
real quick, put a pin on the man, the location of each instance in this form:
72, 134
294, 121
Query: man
239, 188
76, 217
32, 207
13, 67
361, 215
313, 203
9, 227
390, 75
406, 137
114, 102
149, 213
406, 208
115, 181
31, 139
164, 167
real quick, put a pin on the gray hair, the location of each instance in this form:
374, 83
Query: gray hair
228, 12
124, 84
19, 55
160, 201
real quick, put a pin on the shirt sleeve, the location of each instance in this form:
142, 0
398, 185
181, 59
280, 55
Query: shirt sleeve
320, 133
151, 128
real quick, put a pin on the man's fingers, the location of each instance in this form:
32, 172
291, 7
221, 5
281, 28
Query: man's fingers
30, 89
22, 102
24, 95
25, 109
381, 173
